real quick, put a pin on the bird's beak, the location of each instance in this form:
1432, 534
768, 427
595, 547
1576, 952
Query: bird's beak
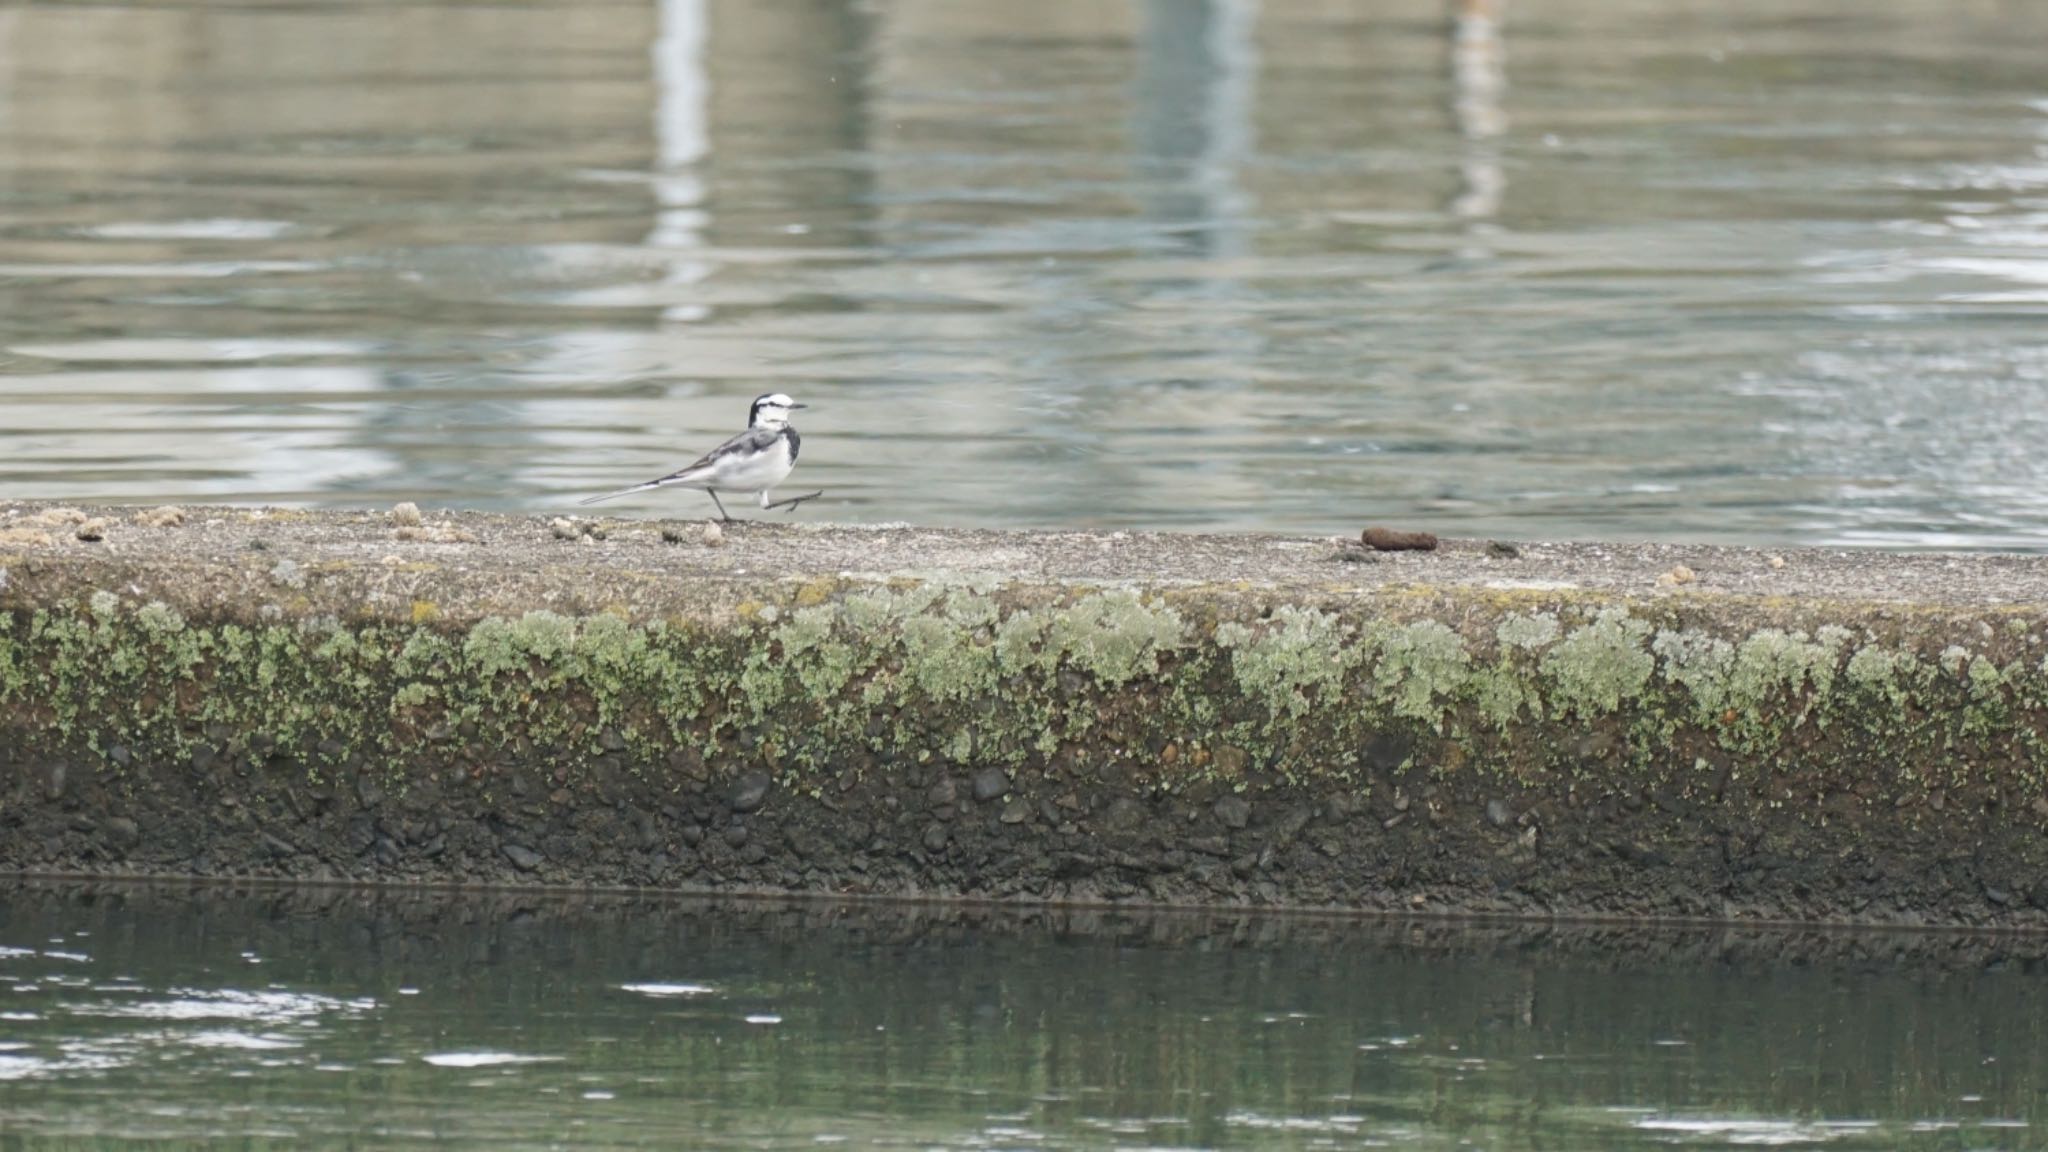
793, 406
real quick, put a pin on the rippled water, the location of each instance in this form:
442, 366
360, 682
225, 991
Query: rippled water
305, 1018
1769, 270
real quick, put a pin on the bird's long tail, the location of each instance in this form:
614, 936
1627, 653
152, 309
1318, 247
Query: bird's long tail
651, 484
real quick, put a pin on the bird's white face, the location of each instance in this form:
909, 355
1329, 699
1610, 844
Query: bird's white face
771, 411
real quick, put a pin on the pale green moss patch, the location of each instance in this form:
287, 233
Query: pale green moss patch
1774, 664
1877, 671
1533, 631
1598, 666
847, 674
1420, 670
1700, 663
1503, 699
1114, 636
1297, 660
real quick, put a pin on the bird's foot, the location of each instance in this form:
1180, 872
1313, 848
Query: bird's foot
793, 501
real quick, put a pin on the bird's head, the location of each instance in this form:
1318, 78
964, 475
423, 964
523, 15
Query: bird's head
771, 411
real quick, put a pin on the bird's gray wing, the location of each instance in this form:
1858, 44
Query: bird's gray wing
745, 444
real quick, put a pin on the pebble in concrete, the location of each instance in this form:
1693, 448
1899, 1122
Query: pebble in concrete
749, 792
1234, 811
990, 784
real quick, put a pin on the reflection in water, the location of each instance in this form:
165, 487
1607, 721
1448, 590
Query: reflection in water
682, 136
306, 1017
1218, 263
1478, 80
1197, 65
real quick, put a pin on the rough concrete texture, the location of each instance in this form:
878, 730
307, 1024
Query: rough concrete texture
1545, 729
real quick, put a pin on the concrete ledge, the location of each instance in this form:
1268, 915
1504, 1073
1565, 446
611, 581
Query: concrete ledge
1639, 731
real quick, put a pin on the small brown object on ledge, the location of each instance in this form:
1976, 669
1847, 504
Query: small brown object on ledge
1391, 540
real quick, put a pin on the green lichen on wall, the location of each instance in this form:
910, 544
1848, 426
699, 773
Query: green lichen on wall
1598, 667
941, 661
1297, 661
842, 675
1420, 669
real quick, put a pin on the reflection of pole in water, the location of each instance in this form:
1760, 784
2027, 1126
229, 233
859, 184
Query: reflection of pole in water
682, 139
1197, 74
1478, 80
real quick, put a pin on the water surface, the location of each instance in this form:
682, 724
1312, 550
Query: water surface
1760, 271
316, 1018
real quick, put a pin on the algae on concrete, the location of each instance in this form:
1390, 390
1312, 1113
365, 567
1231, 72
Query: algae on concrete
397, 660
898, 670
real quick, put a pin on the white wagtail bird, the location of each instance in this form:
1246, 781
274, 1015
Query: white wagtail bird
754, 461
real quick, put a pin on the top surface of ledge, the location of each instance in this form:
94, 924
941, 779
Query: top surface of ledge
752, 550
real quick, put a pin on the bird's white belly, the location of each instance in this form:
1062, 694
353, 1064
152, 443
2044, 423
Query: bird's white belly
752, 474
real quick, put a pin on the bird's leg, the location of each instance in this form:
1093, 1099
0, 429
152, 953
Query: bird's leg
723, 515
792, 502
